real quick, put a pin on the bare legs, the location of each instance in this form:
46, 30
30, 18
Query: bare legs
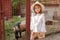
40, 36
33, 35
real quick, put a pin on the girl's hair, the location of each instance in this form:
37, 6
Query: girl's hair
39, 6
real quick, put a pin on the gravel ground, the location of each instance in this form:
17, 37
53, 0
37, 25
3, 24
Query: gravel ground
51, 29
53, 37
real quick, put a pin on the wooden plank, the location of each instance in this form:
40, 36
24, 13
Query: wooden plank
0, 22
2, 29
7, 8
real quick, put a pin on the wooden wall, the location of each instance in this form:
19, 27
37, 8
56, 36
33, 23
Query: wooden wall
7, 8
5, 11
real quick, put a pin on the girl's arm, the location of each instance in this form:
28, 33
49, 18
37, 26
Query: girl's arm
43, 25
31, 22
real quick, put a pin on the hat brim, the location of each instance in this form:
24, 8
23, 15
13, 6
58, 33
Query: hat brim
42, 6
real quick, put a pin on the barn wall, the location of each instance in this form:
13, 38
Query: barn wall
51, 11
5, 11
7, 8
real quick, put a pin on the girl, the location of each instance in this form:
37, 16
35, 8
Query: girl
37, 24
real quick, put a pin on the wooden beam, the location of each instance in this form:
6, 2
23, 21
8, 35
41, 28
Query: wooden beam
52, 5
27, 19
2, 29
0, 21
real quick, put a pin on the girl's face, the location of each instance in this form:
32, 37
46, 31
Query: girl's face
37, 9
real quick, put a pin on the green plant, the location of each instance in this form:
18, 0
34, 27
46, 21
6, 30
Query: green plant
9, 25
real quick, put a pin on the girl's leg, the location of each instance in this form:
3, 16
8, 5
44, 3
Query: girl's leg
41, 36
32, 37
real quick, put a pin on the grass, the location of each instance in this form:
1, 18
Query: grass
9, 25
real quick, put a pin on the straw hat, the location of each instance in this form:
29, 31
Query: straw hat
43, 8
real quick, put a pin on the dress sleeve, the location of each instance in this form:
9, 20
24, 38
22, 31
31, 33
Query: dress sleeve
43, 21
43, 29
31, 22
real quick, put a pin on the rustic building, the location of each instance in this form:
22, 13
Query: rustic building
52, 9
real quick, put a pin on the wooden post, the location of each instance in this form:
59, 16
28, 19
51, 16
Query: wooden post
2, 31
27, 19
0, 21
5, 10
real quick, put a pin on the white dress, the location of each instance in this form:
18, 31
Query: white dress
37, 23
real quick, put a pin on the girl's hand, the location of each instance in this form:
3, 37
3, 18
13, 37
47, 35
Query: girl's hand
31, 30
